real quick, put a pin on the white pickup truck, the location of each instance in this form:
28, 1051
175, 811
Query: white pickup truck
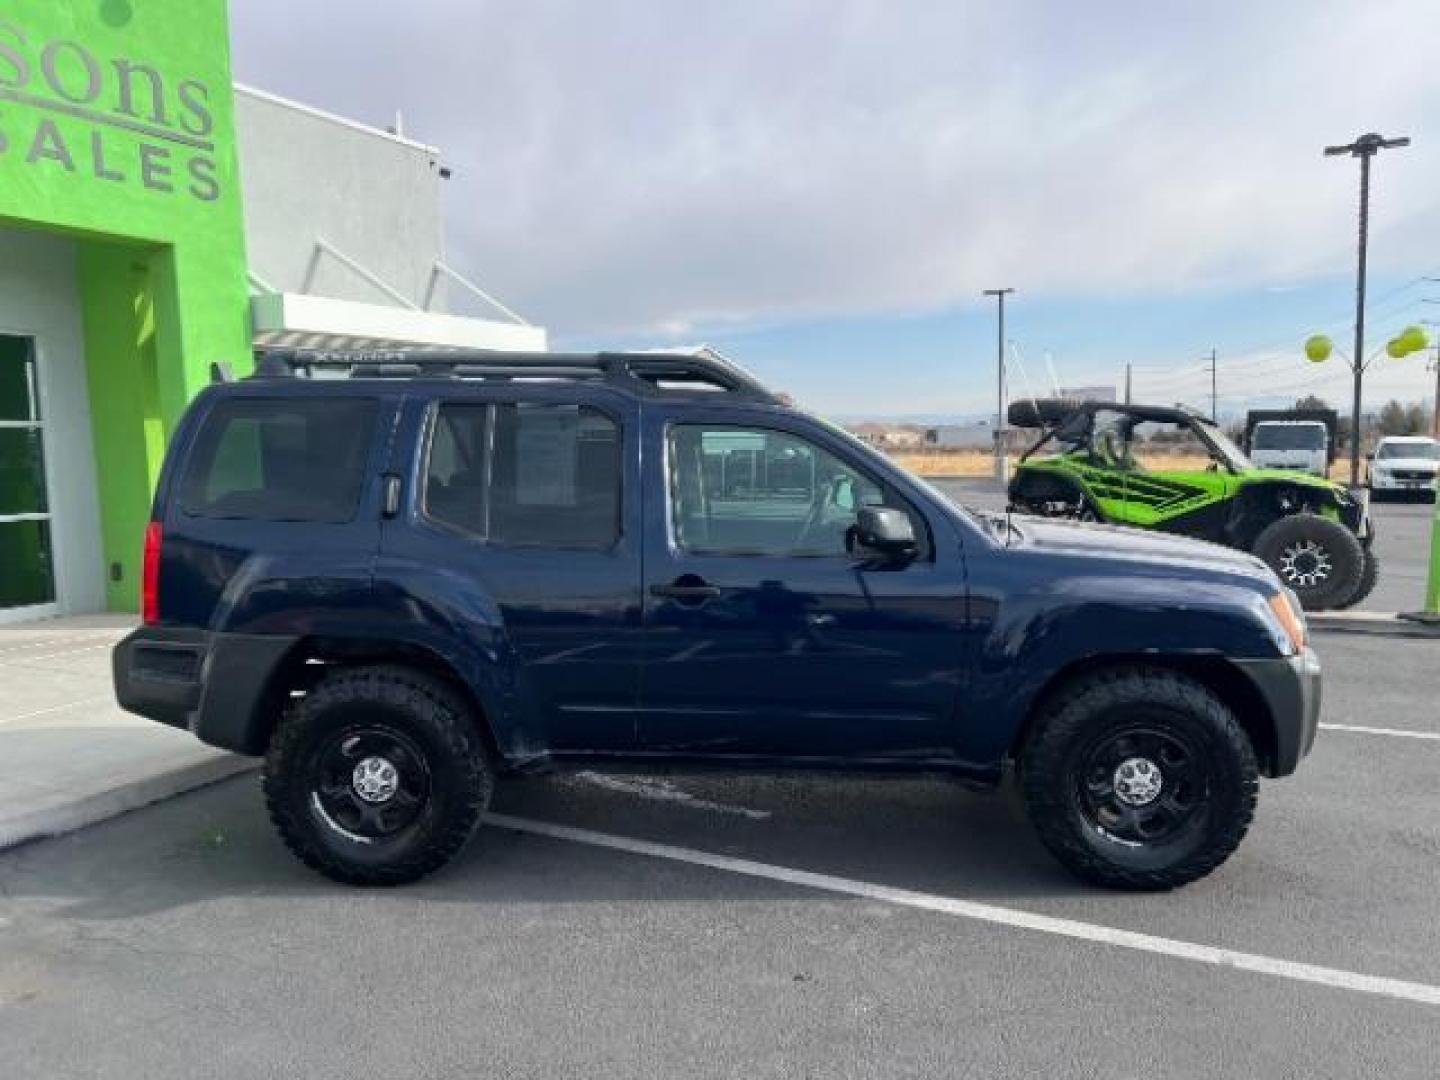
1303, 445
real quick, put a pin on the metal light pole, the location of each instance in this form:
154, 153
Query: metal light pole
1001, 463
1364, 148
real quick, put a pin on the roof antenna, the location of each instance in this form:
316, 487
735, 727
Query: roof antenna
221, 372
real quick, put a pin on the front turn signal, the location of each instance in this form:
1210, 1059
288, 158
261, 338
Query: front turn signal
1287, 612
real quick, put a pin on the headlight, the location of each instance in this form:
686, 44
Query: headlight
1285, 606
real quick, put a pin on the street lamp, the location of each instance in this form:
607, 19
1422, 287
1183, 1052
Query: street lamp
1364, 148
1001, 465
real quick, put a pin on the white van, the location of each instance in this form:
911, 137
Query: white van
1303, 445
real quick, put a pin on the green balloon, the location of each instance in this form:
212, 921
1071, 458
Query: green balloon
1414, 338
1318, 348
1397, 347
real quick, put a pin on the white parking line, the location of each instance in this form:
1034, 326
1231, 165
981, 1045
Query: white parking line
58, 708
1423, 993
1398, 733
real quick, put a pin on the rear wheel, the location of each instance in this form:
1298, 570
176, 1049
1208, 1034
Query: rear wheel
1368, 577
377, 776
1139, 779
1320, 559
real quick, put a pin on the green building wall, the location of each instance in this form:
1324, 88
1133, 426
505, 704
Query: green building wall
117, 129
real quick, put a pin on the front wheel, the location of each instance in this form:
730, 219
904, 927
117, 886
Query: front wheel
1320, 559
377, 776
1139, 779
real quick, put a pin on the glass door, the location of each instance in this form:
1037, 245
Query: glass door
27, 575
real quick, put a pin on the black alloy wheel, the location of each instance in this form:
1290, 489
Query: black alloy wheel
1141, 784
370, 782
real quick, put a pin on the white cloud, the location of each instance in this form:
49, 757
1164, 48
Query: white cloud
653, 165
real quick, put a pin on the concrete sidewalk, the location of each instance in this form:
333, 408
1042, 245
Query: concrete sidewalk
68, 756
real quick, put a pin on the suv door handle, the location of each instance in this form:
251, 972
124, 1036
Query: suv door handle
688, 590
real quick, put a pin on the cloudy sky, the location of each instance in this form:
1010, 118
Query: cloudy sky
822, 189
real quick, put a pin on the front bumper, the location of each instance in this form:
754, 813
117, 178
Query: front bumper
1290, 688
1392, 482
216, 686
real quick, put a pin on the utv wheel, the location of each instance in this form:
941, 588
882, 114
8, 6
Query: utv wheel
1369, 574
1320, 559
1139, 779
377, 776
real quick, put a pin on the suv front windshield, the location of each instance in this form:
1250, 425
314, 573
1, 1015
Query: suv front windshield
1428, 451
1289, 437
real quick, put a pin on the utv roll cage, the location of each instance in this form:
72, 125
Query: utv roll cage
1073, 421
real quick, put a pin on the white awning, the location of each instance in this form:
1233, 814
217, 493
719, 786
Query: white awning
296, 320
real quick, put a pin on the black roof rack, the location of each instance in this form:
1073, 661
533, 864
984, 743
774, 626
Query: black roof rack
643, 372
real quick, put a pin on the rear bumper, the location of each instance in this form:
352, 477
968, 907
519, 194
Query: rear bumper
215, 686
1290, 687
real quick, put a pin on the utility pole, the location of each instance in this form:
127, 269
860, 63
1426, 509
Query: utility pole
1435, 402
1214, 391
1001, 464
1435, 363
1364, 148
1127, 381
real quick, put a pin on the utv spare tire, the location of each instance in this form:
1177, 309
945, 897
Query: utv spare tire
1318, 558
1042, 412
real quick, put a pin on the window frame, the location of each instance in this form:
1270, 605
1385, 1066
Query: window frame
894, 497
491, 407
197, 446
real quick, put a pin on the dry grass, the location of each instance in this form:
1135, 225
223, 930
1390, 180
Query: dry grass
941, 462
954, 462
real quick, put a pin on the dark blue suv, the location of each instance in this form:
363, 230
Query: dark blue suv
394, 576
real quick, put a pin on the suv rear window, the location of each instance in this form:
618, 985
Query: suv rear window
280, 459
526, 474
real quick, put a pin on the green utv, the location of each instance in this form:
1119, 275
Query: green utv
1173, 469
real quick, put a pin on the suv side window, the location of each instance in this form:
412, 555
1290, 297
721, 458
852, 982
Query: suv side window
280, 459
526, 474
756, 491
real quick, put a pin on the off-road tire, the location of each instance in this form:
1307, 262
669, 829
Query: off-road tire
416, 708
1108, 705
1369, 574
1343, 548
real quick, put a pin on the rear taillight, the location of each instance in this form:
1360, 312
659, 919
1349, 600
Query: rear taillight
150, 574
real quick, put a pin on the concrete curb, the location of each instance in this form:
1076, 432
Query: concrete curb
92, 809
1373, 623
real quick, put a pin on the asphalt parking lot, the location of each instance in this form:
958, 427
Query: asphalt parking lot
773, 927
1402, 542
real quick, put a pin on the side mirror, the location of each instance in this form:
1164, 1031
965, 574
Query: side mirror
885, 530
